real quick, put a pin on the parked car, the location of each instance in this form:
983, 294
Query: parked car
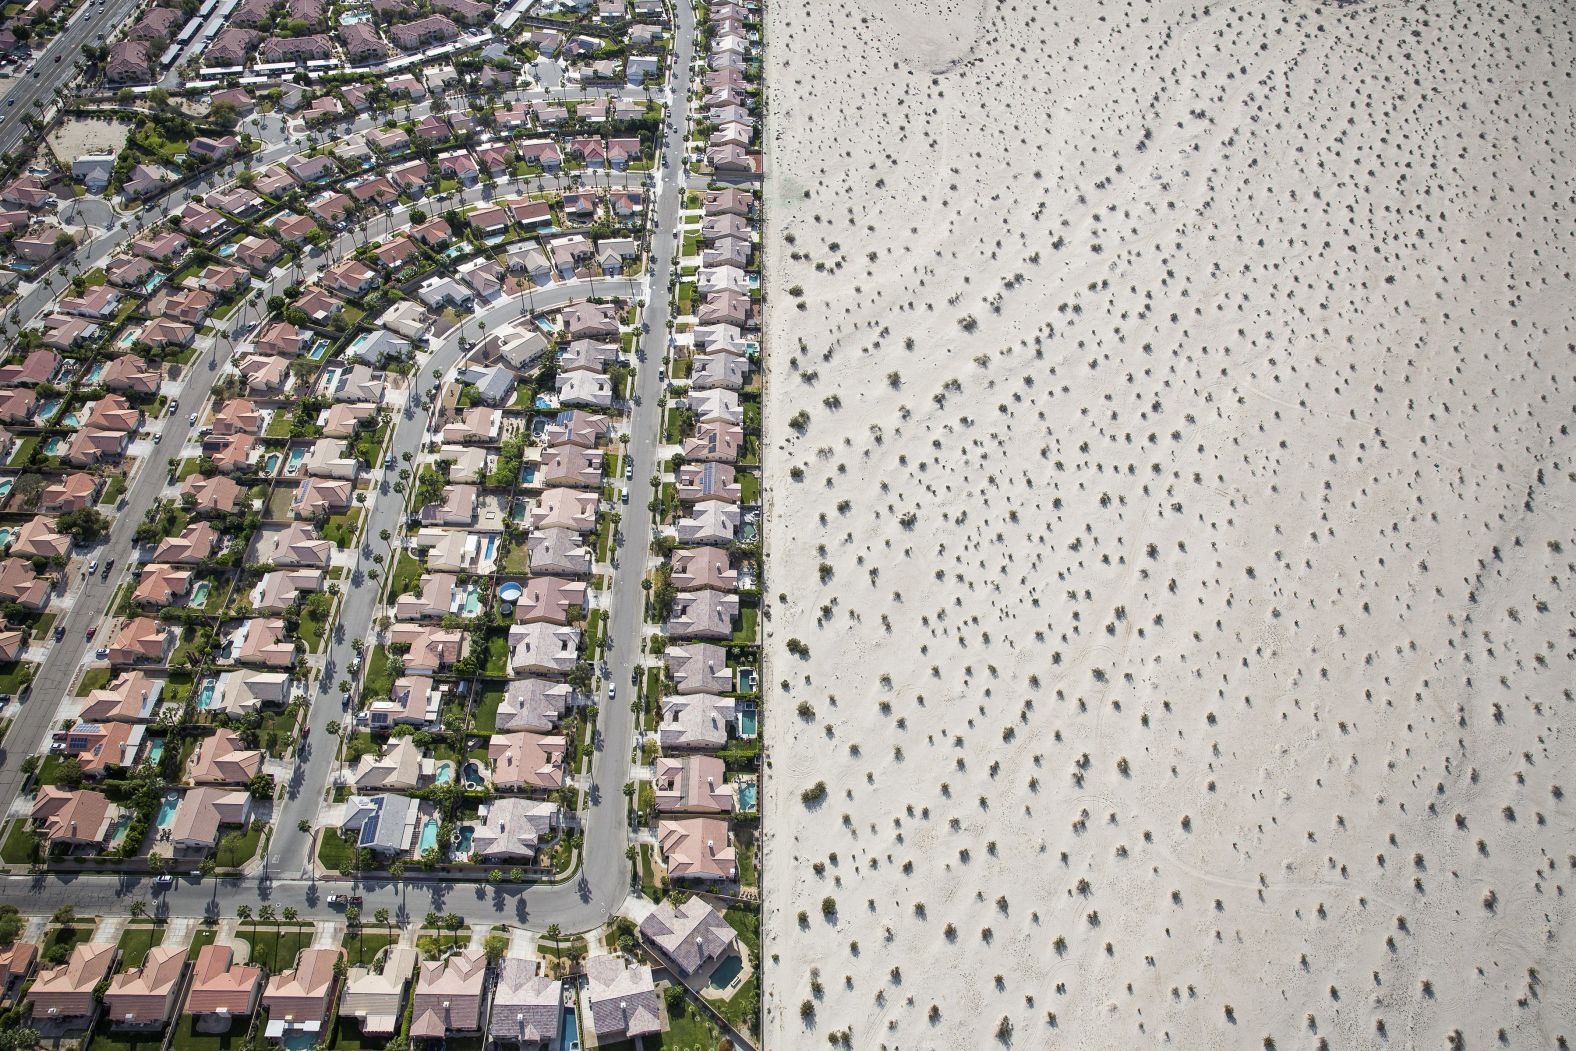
93, 568
60, 632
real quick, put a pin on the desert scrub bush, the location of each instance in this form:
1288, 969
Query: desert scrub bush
799, 421
814, 794
797, 648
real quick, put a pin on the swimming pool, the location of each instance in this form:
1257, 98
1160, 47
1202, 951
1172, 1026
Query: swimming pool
473, 775
462, 844
226, 251
96, 371
443, 773
473, 599
544, 402
200, 593
205, 691
6, 536
429, 836
528, 474
570, 1035
74, 418
492, 545
271, 464
319, 350
746, 679
48, 408
296, 456
725, 972
167, 808
746, 719
155, 749
5, 486
54, 446
746, 796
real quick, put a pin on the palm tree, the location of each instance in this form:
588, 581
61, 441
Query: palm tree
244, 914
265, 914
554, 932
139, 909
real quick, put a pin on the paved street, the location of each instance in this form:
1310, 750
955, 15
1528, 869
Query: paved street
86, 26
602, 884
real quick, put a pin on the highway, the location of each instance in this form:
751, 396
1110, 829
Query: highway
600, 887
86, 27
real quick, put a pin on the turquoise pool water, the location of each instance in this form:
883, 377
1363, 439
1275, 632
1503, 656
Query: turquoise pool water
473, 600
54, 446
153, 282
492, 545
725, 972
155, 749
205, 691
746, 720
544, 402
96, 371
746, 796
6, 536
296, 456
473, 774
72, 419
319, 350
746, 680
298, 1041
463, 844
200, 592
5, 486
350, 18
443, 774
271, 464
48, 407
228, 250
429, 836
528, 474
167, 809
569, 1035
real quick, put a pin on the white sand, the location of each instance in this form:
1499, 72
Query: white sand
1252, 479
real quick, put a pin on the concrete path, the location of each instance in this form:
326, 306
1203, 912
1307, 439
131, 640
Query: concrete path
522, 942
327, 934
179, 931
108, 930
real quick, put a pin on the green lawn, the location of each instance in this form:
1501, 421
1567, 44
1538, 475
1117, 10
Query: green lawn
593, 632
333, 852
14, 676
106, 1038
379, 679
135, 944
745, 635
274, 947
312, 627
362, 948
341, 528
407, 573
486, 720
20, 846
54, 763
24, 450
237, 848
497, 656
187, 1038
112, 491
750, 487
70, 937
93, 679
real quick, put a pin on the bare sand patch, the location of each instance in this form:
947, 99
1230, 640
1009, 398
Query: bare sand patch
81, 137
1186, 457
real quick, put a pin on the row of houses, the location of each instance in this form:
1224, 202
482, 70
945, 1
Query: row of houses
510, 1003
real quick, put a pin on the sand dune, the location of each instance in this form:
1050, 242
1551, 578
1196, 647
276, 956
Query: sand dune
1170, 522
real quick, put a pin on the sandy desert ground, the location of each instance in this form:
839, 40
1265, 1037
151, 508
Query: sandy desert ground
1171, 524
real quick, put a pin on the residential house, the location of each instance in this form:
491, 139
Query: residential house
715, 441
551, 600
217, 495
196, 543
527, 1007
142, 640
449, 997
70, 991
622, 999
222, 990
161, 585
376, 1000
385, 824
413, 703
204, 812
699, 668
38, 539
523, 760
691, 936
708, 482
703, 614
72, 819
543, 649
297, 1000
697, 848
709, 522
318, 497
398, 768
71, 493
696, 722
262, 642
224, 759
560, 552
691, 784
533, 704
